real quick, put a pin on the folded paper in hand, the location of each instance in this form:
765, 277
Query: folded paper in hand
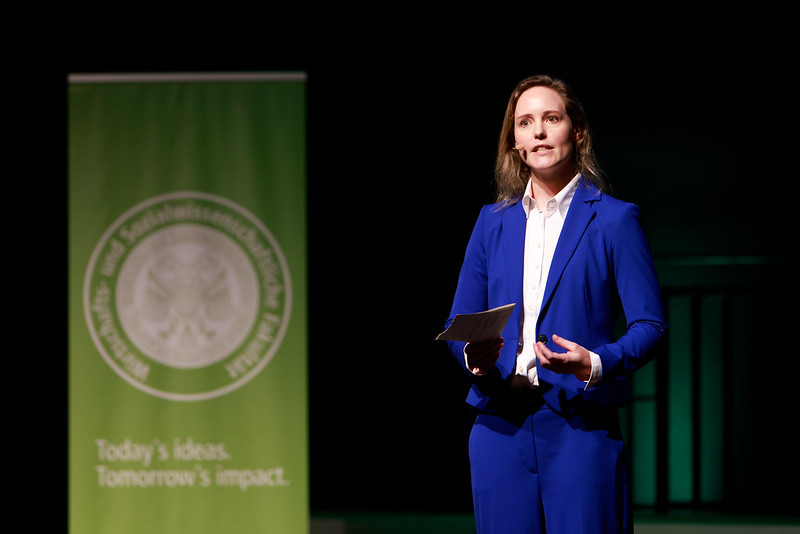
472, 327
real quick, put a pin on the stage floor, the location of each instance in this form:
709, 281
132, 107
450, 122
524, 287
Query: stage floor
463, 524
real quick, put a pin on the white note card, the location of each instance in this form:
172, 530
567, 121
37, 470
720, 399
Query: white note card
472, 327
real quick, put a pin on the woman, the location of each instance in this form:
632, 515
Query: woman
546, 452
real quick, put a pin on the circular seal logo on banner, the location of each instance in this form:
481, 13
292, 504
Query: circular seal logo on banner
187, 296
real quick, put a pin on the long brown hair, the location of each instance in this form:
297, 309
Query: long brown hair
511, 172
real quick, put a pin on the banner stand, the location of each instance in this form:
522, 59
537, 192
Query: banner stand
187, 303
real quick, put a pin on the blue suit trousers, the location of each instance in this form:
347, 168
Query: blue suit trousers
537, 471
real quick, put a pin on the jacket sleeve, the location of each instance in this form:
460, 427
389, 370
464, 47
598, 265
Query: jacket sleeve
640, 296
471, 292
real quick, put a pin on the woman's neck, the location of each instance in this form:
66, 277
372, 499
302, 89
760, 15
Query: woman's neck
544, 187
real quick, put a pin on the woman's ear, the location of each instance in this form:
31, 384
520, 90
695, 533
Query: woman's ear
577, 134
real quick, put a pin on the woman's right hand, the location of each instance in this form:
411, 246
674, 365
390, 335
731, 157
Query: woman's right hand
483, 355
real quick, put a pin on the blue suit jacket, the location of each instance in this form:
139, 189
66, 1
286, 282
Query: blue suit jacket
602, 266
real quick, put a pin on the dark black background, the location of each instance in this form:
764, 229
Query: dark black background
694, 115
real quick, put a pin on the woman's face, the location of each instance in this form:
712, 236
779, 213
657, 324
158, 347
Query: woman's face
544, 131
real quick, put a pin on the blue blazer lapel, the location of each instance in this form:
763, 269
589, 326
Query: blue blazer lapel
581, 212
514, 249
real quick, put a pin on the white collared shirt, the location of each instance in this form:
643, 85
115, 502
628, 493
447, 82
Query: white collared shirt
543, 228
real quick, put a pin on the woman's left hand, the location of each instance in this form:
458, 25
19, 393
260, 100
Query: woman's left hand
576, 361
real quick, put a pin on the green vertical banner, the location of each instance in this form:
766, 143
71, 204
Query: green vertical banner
187, 304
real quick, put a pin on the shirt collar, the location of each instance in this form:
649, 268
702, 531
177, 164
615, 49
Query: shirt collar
563, 198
